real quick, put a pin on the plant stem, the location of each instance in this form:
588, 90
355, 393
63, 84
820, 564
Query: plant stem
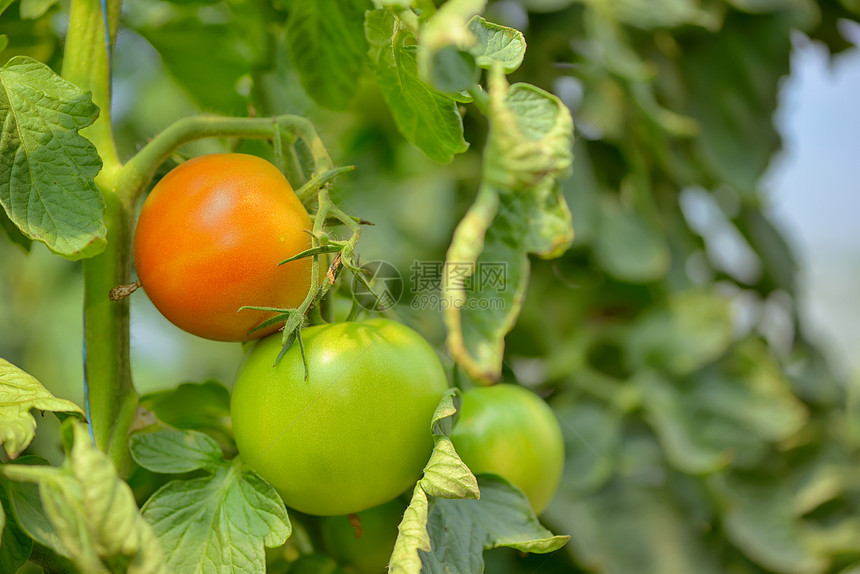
480, 98
112, 398
139, 170
85, 64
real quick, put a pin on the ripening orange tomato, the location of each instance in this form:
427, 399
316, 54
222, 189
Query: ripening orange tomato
209, 239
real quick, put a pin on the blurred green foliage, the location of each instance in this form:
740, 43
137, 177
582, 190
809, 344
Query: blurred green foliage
700, 438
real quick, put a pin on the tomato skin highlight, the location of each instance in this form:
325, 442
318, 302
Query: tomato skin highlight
510, 431
209, 239
354, 435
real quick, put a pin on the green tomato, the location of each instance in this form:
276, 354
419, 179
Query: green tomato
510, 431
370, 552
357, 432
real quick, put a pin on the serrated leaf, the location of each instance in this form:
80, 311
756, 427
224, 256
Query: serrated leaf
92, 511
19, 393
219, 522
174, 452
496, 44
446, 476
412, 536
460, 530
328, 35
427, 118
47, 168
519, 210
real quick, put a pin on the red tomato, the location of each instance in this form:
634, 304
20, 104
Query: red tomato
209, 240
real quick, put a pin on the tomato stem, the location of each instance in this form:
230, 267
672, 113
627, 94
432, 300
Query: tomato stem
110, 395
140, 169
86, 64
480, 98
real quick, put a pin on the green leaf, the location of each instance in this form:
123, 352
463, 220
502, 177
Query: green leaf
676, 424
219, 522
758, 517
628, 248
634, 526
733, 104
428, 119
15, 545
210, 60
659, 13
26, 506
12, 232
327, 44
445, 59
412, 536
592, 435
803, 14
496, 44
447, 476
19, 393
204, 407
750, 388
729, 413
780, 266
175, 452
442, 419
46, 167
5, 4
92, 511
316, 564
460, 530
693, 329
32, 9
519, 210
610, 47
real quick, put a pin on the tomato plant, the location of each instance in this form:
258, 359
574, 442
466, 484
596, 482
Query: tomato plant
209, 240
354, 434
733, 436
510, 431
364, 545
